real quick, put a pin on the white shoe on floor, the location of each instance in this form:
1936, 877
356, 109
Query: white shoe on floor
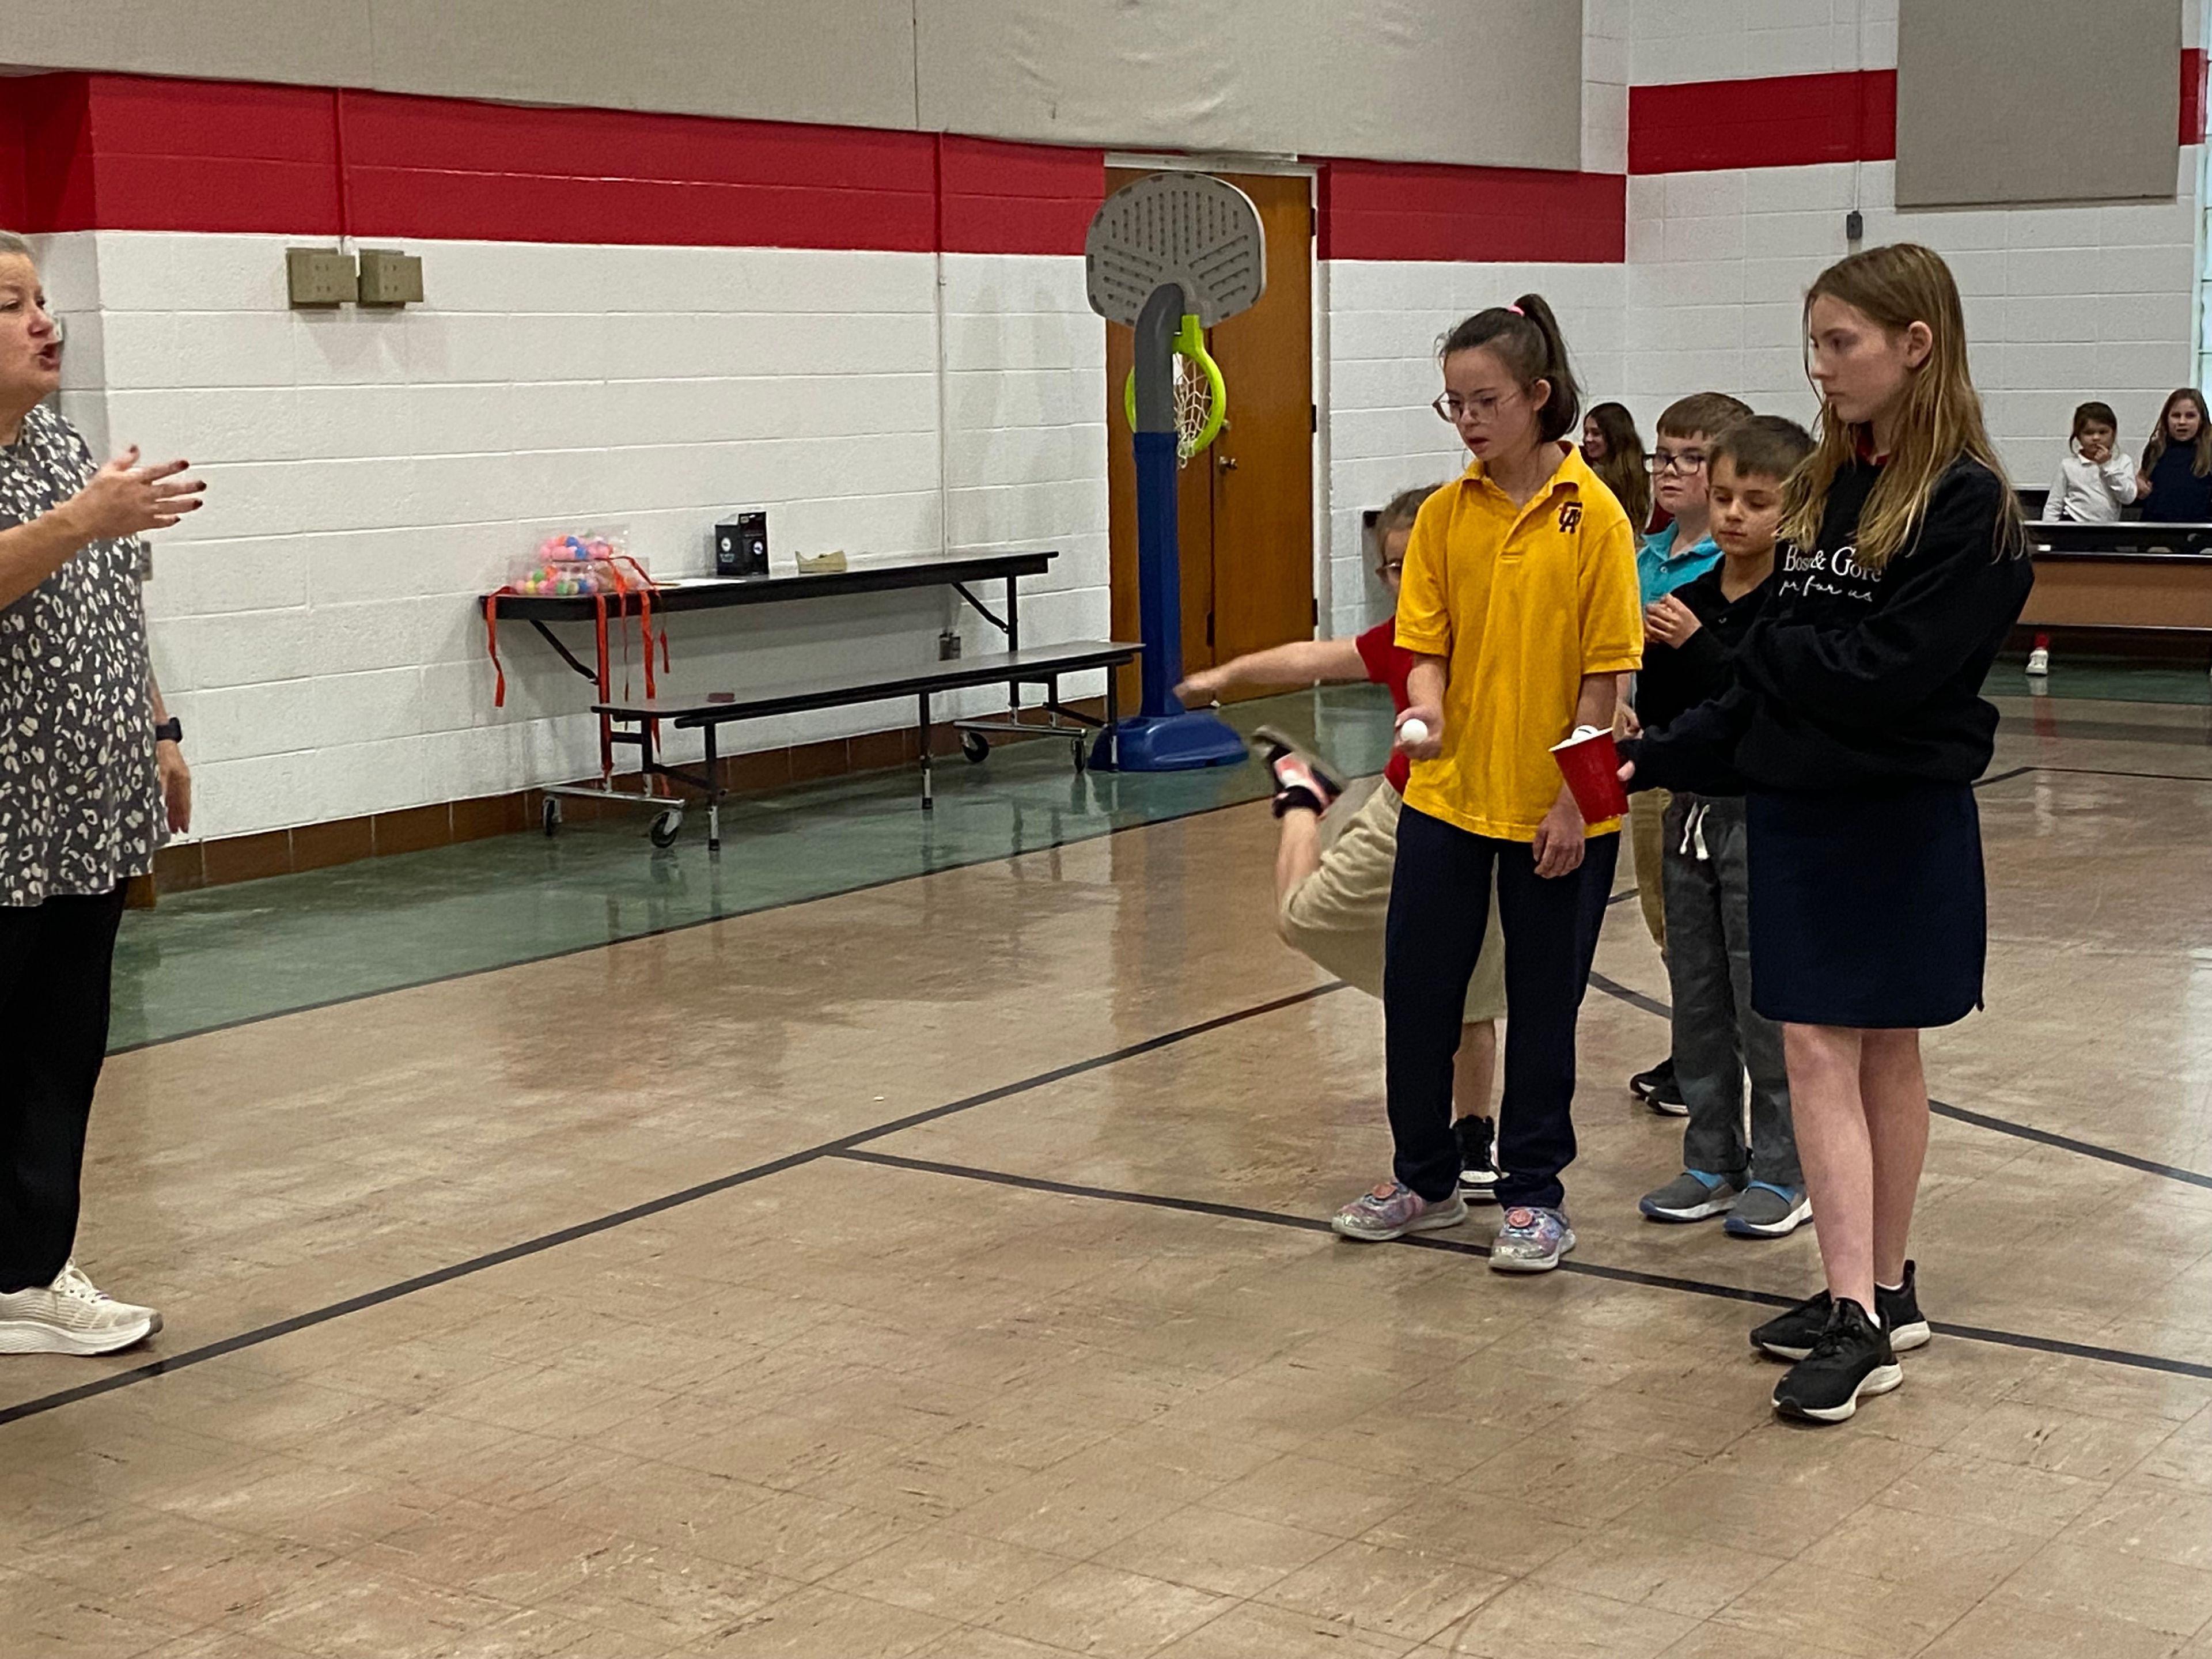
71, 1315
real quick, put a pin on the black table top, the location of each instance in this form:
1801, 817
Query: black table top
825, 690
2128, 538
714, 592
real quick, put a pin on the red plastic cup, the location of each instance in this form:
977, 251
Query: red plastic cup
1591, 766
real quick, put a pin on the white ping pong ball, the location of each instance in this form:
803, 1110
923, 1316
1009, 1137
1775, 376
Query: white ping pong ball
1413, 732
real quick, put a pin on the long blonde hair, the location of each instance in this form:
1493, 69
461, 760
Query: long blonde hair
1895, 287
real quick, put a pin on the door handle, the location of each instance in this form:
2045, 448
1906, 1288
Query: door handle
1224, 463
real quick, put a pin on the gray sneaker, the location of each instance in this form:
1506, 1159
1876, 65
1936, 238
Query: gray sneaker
1692, 1196
1766, 1211
1531, 1241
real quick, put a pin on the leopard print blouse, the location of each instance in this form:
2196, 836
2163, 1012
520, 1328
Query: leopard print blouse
79, 800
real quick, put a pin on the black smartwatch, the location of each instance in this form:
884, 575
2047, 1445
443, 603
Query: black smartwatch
169, 730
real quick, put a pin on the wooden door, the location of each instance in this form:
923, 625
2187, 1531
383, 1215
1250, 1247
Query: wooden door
1246, 511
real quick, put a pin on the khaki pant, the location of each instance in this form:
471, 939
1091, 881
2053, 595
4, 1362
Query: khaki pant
1647, 835
1336, 916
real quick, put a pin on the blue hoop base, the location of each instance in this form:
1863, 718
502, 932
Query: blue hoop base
1168, 742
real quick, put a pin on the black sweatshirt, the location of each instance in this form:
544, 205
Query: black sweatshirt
2177, 495
1676, 678
1856, 679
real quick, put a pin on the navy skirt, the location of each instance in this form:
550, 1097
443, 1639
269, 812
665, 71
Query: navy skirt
1868, 910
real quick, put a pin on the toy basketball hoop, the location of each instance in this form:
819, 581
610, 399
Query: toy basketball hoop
1170, 256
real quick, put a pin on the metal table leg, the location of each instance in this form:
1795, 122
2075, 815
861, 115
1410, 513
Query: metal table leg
1013, 643
714, 794
928, 795
1113, 744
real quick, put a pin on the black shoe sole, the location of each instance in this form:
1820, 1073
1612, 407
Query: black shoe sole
1882, 1379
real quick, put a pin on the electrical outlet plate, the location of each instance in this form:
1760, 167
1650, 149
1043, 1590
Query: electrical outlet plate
389, 277
319, 278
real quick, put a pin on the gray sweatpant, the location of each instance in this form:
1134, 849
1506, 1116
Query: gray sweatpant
1718, 1036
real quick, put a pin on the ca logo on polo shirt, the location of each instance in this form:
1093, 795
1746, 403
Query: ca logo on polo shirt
1570, 514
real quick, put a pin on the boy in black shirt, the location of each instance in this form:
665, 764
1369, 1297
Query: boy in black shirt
1690, 636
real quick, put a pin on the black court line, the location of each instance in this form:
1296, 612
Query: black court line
2069, 1143
1620, 993
2127, 1357
2002, 777
544, 1242
2114, 772
2003, 1126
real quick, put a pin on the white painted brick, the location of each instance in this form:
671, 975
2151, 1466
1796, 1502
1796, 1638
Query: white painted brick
2055, 228
1797, 190
2167, 269
2052, 270
1801, 49
1713, 238
210, 578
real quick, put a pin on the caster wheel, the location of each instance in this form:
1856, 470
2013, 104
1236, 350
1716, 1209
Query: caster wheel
975, 746
667, 827
548, 816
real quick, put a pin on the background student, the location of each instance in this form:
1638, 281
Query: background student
1519, 604
1857, 724
2098, 477
2175, 485
1332, 867
1689, 638
1681, 552
1614, 449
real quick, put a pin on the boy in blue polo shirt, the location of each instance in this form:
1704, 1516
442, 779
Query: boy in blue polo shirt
1669, 558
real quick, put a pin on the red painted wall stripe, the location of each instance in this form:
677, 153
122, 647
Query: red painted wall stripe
124, 153
1799, 120
1781, 121
1389, 210
14, 149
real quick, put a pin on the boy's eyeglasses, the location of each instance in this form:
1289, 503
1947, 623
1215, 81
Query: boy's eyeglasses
1455, 409
1689, 460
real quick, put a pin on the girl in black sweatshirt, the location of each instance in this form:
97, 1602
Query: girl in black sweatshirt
1856, 728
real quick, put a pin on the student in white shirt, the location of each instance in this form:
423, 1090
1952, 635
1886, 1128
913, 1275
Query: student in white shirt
2097, 479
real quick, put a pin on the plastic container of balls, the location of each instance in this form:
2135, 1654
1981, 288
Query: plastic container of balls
580, 564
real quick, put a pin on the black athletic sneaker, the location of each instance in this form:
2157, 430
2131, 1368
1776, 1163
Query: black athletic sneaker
1477, 1168
1791, 1335
1658, 1089
1852, 1356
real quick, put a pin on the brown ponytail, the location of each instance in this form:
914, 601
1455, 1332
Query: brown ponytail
1525, 337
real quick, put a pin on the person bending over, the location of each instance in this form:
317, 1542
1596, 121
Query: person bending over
1333, 857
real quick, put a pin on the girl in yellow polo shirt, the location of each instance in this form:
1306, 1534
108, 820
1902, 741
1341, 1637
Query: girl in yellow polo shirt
1520, 605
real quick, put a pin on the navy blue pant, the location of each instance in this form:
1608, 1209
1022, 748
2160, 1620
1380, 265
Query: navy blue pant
55, 961
1439, 906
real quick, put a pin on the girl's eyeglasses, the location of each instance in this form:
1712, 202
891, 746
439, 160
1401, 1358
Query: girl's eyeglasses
1483, 407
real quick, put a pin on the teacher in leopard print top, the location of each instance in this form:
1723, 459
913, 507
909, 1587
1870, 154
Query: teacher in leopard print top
82, 807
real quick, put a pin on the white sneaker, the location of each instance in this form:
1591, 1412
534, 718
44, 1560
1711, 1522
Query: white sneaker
71, 1315
2039, 660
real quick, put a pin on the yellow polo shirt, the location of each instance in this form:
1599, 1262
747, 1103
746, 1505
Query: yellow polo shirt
1522, 603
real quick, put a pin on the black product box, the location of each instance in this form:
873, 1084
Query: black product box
741, 546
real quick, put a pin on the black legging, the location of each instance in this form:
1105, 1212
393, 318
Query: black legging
55, 963
1439, 906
